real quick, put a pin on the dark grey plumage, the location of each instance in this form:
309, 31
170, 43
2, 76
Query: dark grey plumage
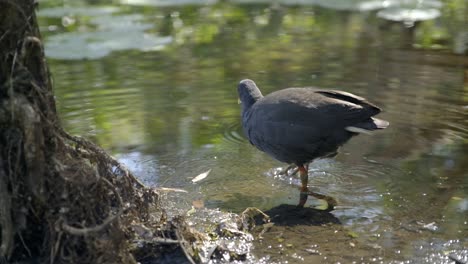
298, 125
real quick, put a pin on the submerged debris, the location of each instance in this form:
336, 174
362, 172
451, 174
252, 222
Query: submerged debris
207, 235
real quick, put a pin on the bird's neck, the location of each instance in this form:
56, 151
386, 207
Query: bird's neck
249, 101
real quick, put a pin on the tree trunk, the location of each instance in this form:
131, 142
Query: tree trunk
62, 199
26, 103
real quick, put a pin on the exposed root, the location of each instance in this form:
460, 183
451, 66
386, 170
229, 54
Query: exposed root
62, 198
87, 230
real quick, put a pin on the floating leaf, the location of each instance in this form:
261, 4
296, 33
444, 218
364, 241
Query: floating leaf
201, 176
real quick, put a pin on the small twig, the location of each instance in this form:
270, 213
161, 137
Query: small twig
182, 243
248, 210
265, 229
11, 86
4, 34
55, 248
248, 214
165, 241
24, 244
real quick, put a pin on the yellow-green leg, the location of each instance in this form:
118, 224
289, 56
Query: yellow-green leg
305, 192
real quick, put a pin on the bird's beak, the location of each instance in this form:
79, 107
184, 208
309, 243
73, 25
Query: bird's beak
238, 101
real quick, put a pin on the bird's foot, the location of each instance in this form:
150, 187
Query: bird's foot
330, 201
285, 171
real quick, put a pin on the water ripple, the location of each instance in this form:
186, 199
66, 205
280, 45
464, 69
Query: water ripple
233, 133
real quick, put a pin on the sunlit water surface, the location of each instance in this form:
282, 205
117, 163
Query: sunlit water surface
156, 86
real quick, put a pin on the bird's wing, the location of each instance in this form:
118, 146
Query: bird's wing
349, 97
322, 109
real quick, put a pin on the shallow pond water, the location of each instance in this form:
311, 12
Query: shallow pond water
155, 84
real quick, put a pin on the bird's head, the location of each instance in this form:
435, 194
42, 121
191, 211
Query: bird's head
248, 93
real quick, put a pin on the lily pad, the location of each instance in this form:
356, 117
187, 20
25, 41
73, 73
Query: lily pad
408, 14
59, 12
168, 2
112, 33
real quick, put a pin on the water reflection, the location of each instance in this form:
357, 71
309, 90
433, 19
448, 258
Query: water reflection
172, 114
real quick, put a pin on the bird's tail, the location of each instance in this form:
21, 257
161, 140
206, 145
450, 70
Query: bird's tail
368, 126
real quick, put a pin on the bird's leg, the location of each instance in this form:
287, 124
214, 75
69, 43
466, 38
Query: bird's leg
304, 190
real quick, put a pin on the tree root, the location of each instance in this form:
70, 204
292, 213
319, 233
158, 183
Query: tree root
88, 230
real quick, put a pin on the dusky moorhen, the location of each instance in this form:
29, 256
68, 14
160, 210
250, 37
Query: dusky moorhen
298, 125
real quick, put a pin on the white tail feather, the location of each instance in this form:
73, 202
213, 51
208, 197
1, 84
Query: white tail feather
358, 130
